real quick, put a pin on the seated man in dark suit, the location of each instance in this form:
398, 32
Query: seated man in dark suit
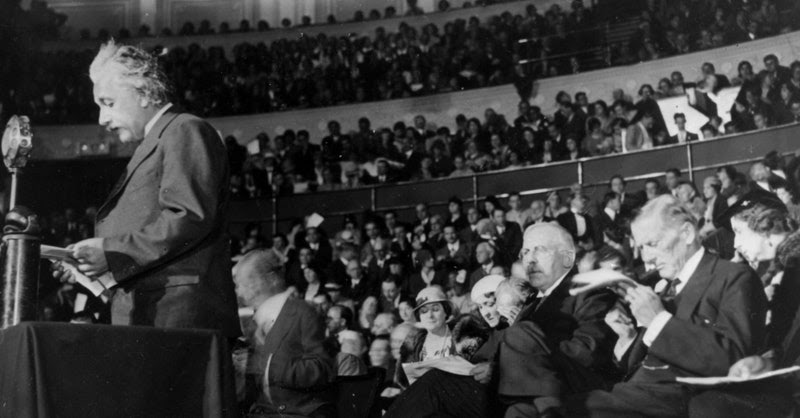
358, 286
507, 238
288, 370
710, 315
455, 250
485, 256
556, 343
378, 266
629, 201
609, 230
578, 223
683, 136
573, 328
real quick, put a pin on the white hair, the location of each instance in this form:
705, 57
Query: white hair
132, 66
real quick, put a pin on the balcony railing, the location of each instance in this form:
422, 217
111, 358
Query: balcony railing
697, 159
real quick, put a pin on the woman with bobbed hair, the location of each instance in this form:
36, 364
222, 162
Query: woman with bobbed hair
765, 233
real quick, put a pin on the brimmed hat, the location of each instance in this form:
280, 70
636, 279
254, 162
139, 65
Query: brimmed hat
752, 198
431, 294
488, 284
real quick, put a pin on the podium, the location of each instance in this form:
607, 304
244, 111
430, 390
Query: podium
50, 369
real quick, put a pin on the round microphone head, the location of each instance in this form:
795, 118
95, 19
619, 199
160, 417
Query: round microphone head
17, 142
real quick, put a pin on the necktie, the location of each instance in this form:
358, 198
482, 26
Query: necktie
668, 296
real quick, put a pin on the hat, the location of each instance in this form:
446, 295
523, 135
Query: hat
757, 196
488, 284
431, 294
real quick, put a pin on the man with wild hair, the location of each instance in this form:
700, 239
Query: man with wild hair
161, 234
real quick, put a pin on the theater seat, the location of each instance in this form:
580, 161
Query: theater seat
357, 394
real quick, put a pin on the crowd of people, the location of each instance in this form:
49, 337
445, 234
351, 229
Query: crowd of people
464, 284
412, 61
205, 28
289, 163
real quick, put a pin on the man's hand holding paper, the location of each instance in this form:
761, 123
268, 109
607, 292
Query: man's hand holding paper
91, 257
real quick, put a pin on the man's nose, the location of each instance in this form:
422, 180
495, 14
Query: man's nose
103, 119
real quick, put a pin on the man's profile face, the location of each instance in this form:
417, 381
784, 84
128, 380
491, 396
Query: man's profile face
662, 246
122, 110
545, 257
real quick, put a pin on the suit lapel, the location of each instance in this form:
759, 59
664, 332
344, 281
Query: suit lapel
694, 290
283, 323
144, 150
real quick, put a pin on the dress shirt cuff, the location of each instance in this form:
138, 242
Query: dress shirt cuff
655, 327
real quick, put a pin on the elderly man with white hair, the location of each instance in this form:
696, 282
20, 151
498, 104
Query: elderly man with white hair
711, 314
288, 368
162, 233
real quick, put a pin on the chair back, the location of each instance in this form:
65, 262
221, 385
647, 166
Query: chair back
357, 394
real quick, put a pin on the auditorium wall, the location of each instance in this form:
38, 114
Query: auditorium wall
63, 142
157, 14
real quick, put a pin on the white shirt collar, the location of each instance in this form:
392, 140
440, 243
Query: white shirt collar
155, 118
611, 214
689, 268
553, 287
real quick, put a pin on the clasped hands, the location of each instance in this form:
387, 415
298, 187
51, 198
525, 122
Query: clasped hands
91, 260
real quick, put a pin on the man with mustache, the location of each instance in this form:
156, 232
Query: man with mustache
572, 328
162, 233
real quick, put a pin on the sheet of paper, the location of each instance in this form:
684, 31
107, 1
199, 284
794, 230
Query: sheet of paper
57, 254
595, 279
453, 364
93, 286
710, 381
314, 220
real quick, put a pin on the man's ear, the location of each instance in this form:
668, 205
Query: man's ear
568, 258
144, 102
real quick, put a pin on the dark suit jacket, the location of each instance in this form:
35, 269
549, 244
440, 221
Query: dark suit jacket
567, 220
337, 272
719, 319
674, 138
165, 230
608, 227
581, 343
299, 367
323, 255
375, 273
509, 243
461, 257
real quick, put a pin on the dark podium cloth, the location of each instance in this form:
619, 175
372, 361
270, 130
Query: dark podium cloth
50, 369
